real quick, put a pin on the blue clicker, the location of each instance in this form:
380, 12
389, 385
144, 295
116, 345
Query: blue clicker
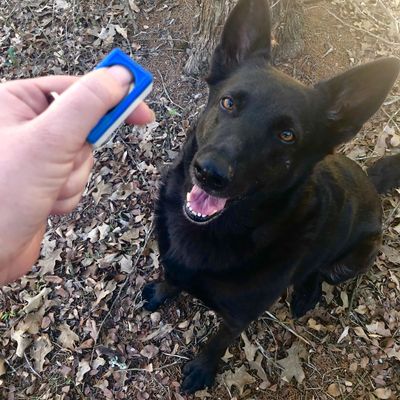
142, 85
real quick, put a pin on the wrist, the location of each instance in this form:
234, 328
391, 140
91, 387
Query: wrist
16, 262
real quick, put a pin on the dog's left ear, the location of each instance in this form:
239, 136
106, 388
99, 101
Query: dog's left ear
247, 33
354, 96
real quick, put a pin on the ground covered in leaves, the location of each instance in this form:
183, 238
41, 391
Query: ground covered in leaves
75, 329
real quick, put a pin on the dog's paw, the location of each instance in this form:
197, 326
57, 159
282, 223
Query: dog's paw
151, 296
197, 375
304, 300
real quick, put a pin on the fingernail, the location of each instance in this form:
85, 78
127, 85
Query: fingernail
121, 74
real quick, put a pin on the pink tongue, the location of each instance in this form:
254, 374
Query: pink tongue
204, 204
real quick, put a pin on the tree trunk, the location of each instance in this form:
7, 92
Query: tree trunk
287, 19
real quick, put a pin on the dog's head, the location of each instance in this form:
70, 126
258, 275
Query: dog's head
261, 129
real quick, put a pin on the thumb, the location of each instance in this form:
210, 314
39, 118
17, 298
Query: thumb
68, 120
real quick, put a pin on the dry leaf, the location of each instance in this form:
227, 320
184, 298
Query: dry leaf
133, 6
35, 302
383, 393
360, 332
203, 394
378, 328
239, 378
67, 337
23, 341
104, 292
41, 347
256, 365
249, 349
344, 334
345, 299
292, 365
149, 351
49, 262
104, 230
227, 356
83, 368
334, 390
122, 31
393, 255
101, 189
126, 264
312, 323
2, 366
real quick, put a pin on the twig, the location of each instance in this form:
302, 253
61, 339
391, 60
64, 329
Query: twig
353, 294
30, 367
388, 42
166, 91
390, 14
146, 240
288, 328
145, 370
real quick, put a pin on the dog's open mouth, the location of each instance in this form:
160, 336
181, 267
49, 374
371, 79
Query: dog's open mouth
201, 207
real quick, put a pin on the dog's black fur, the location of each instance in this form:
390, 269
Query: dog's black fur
295, 213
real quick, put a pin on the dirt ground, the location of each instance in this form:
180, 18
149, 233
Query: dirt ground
75, 329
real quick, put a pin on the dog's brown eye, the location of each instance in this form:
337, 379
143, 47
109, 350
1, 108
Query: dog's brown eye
287, 136
227, 103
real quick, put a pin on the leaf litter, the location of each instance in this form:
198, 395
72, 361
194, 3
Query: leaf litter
74, 328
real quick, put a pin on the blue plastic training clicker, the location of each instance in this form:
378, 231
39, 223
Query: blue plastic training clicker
141, 87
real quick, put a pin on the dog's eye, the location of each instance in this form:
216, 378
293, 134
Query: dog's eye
227, 103
287, 136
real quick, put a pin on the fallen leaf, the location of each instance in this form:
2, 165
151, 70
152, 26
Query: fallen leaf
126, 264
2, 366
334, 390
101, 189
48, 263
345, 299
344, 334
378, 328
41, 347
130, 235
104, 230
312, 323
122, 31
102, 292
67, 337
149, 351
292, 365
256, 365
35, 302
227, 356
383, 393
239, 378
360, 332
133, 6
250, 349
83, 368
23, 341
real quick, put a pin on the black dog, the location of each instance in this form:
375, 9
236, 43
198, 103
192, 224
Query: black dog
256, 201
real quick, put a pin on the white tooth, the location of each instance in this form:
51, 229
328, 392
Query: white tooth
204, 216
198, 214
188, 196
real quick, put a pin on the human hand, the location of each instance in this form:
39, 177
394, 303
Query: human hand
45, 160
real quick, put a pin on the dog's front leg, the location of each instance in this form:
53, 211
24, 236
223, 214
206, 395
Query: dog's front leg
201, 371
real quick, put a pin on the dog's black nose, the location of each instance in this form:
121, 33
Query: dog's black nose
213, 174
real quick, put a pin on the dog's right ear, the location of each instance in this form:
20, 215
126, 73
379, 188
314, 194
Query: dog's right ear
247, 33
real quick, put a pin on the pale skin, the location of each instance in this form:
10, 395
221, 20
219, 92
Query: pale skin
45, 160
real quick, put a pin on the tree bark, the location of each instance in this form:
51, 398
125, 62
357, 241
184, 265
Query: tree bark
287, 20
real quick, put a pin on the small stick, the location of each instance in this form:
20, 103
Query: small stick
288, 328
